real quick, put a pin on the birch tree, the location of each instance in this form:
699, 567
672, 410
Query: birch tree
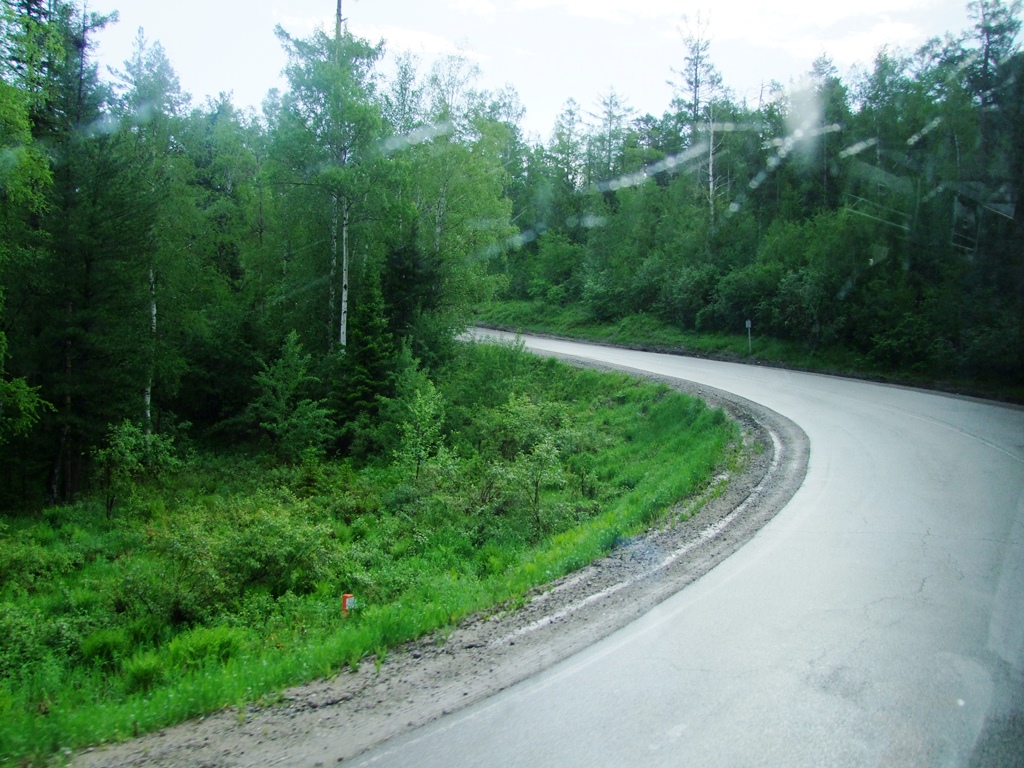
150, 105
697, 98
330, 130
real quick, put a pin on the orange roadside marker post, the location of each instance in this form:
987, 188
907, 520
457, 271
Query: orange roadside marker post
348, 602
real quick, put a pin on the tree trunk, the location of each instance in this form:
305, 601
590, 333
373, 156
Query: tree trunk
343, 325
147, 393
57, 486
331, 287
711, 170
439, 211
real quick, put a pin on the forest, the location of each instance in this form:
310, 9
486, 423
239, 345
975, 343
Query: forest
871, 220
233, 383
156, 256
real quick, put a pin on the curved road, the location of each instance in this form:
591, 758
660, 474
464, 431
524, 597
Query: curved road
877, 620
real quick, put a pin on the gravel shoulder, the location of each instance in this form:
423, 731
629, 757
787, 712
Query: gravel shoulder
329, 721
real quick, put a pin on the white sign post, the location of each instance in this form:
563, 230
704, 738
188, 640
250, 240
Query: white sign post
750, 346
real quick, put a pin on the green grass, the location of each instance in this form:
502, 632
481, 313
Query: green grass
222, 585
648, 332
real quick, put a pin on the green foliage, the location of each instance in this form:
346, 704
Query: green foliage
130, 455
21, 406
855, 235
143, 671
160, 248
296, 424
24, 178
24, 174
105, 646
555, 276
231, 587
420, 432
205, 559
203, 646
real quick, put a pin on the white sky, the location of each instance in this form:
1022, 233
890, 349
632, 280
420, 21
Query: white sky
548, 50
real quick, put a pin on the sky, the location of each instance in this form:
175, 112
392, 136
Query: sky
547, 50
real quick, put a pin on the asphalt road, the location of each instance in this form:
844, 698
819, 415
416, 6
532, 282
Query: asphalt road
877, 620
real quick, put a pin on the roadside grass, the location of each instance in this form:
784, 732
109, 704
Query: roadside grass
644, 331
222, 585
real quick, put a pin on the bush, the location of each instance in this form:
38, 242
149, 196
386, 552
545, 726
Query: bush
24, 559
149, 588
105, 646
206, 645
232, 589
996, 348
685, 294
130, 455
745, 294
803, 308
142, 672
910, 345
22, 641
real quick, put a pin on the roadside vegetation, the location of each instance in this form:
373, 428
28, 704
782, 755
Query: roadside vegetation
649, 332
231, 386
217, 579
867, 222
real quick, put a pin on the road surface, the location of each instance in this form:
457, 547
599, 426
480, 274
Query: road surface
878, 620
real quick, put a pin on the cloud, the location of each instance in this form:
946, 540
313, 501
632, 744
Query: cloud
601, 10
774, 25
475, 7
302, 26
796, 19
805, 29
863, 45
416, 41
847, 35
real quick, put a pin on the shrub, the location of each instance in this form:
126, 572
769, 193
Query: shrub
206, 645
911, 345
129, 455
744, 294
421, 430
142, 672
22, 642
105, 646
35, 554
229, 593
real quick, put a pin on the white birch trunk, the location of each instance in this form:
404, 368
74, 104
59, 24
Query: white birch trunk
343, 325
331, 288
439, 211
711, 170
147, 393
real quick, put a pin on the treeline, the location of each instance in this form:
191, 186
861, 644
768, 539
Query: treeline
261, 277
274, 277
878, 213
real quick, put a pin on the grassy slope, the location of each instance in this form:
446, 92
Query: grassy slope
222, 584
